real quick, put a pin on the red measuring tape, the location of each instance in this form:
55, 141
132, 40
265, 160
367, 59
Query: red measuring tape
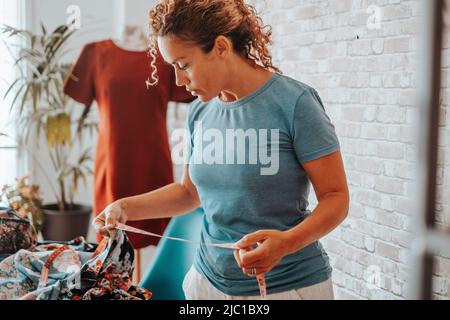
260, 278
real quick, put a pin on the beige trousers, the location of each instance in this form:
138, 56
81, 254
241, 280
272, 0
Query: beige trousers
198, 287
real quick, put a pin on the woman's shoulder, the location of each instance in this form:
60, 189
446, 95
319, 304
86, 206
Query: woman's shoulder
293, 87
288, 93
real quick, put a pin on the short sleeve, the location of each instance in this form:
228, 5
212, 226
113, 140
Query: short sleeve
178, 94
79, 84
314, 135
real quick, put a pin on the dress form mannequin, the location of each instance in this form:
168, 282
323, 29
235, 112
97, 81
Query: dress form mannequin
132, 38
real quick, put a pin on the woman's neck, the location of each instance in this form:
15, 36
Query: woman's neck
246, 79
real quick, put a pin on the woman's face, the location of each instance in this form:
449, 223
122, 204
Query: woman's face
202, 74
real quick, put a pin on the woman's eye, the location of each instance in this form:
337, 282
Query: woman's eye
183, 67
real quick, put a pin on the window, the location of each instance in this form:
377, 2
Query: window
12, 12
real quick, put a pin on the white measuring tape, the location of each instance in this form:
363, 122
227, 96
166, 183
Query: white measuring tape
260, 278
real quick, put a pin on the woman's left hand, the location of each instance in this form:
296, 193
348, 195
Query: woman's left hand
273, 246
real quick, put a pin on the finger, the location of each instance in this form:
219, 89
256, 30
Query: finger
251, 239
255, 272
107, 232
110, 222
257, 264
98, 219
100, 216
98, 225
252, 257
249, 272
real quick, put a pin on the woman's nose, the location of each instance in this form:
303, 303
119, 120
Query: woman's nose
180, 78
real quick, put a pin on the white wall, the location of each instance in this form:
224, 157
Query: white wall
368, 86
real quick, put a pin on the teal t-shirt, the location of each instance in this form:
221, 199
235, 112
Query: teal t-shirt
245, 160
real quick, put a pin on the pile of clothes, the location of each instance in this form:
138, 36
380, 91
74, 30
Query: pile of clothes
74, 270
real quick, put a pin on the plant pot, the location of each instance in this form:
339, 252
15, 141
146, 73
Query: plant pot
65, 225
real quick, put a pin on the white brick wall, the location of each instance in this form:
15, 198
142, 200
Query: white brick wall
367, 80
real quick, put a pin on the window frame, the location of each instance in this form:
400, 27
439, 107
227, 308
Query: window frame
22, 20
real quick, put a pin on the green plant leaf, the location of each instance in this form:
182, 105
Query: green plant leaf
11, 87
33, 41
24, 100
16, 97
34, 96
44, 31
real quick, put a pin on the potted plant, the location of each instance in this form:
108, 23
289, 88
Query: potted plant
25, 199
42, 108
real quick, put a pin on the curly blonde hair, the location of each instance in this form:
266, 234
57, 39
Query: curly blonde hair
202, 21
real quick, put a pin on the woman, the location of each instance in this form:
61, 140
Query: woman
219, 49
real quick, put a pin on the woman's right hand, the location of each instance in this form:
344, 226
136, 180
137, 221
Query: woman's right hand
105, 223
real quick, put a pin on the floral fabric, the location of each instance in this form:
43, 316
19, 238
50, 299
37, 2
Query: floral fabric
83, 272
15, 233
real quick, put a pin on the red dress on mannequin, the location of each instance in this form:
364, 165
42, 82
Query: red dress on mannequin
133, 155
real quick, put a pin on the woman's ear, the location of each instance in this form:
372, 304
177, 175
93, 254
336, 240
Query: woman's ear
223, 46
